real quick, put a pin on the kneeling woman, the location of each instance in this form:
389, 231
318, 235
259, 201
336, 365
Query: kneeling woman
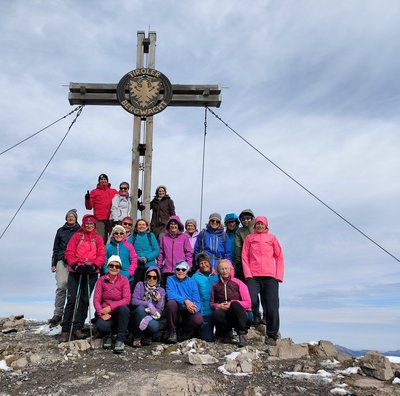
111, 300
148, 300
230, 301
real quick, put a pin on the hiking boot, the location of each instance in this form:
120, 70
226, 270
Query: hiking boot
172, 339
263, 321
146, 341
270, 341
119, 346
55, 320
64, 337
79, 334
242, 340
257, 319
107, 342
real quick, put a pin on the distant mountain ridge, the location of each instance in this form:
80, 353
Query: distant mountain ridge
364, 351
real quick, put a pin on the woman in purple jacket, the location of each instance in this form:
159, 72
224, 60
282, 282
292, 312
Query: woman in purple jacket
174, 246
148, 300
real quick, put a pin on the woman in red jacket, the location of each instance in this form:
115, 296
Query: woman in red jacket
85, 255
263, 267
111, 300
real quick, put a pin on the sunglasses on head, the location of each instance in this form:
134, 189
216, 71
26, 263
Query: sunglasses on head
128, 224
149, 277
119, 233
114, 266
180, 269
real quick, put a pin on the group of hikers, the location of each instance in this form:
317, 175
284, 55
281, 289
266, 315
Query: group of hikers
164, 280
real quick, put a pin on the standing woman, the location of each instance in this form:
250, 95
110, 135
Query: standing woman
85, 255
111, 300
120, 204
119, 246
163, 208
146, 247
263, 268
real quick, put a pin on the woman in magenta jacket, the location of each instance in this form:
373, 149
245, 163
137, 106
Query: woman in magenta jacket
263, 268
111, 300
174, 246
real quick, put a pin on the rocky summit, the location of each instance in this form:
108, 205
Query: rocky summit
33, 362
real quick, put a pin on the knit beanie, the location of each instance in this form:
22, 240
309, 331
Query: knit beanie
191, 221
103, 175
118, 228
214, 216
72, 212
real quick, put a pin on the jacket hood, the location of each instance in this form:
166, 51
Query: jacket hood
153, 268
261, 219
245, 212
178, 220
230, 217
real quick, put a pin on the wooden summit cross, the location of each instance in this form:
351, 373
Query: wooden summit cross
144, 92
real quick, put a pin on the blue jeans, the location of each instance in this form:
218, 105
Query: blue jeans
153, 327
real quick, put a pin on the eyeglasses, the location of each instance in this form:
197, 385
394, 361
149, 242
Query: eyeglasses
149, 277
180, 269
215, 221
112, 266
128, 224
124, 188
244, 218
119, 233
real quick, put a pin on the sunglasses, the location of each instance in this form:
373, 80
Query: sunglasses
215, 221
149, 277
180, 269
123, 188
113, 266
119, 233
128, 224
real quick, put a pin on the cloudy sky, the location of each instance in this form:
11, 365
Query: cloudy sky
314, 85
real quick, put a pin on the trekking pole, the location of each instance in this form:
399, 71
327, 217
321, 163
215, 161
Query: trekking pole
77, 298
90, 313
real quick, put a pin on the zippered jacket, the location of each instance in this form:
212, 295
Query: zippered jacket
262, 254
63, 235
181, 290
100, 201
138, 296
145, 248
205, 284
85, 248
127, 254
215, 243
174, 248
114, 293
120, 207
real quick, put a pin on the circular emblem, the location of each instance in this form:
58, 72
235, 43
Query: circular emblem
144, 92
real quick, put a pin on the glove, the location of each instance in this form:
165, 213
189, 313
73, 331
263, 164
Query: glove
85, 269
144, 322
87, 196
142, 260
75, 267
151, 309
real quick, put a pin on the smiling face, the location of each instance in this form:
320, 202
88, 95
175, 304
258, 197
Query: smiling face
230, 225
103, 181
151, 278
246, 220
141, 226
214, 223
204, 266
173, 227
118, 236
161, 192
260, 227
180, 273
123, 188
71, 220
190, 228
224, 269
89, 226
114, 268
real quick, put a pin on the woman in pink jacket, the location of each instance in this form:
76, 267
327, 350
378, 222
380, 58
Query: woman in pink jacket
111, 299
263, 267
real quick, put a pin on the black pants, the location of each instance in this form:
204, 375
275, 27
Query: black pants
268, 288
73, 284
118, 324
235, 317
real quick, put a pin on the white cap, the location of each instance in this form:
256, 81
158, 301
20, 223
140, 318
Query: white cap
114, 258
